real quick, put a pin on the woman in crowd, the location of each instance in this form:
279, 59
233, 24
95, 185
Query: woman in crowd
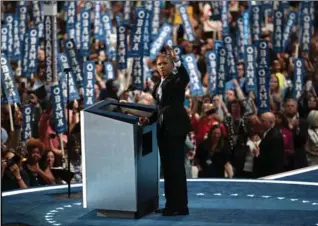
37, 176
47, 163
275, 93
308, 101
208, 119
213, 155
247, 148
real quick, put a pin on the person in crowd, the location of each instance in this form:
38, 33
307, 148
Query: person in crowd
289, 150
299, 129
312, 142
308, 100
213, 155
13, 176
270, 159
74, 145
110, 92
247, 148
55, 142
189, 148
240, 67
47, 162
206, 122
37, 176
173, 126
276, 94
277, 71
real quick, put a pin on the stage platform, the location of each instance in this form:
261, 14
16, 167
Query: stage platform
289, 199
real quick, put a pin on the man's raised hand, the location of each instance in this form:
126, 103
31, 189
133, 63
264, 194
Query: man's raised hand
171, 54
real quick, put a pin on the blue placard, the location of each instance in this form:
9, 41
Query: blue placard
17, 54
291, 21
298, 83
138, 73
109, 71
262, 54
256, 22
250, 68
22, 14
66, 75
33, 51
58, 109
137, 33
277, 38
262, 99
27, 124
147, 33
72, 55
9, 20
155, 23
211, 57
122, 47
88, 83
8, 82
157, 44
98, 28
189, 62
85, 33
71, 19
228, 44
186, 23
221, 70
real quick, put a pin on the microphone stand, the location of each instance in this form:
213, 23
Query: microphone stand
67, 71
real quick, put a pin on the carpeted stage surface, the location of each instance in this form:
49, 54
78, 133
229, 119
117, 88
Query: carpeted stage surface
211, 203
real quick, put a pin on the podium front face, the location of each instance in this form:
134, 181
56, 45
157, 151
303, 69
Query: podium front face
120, 160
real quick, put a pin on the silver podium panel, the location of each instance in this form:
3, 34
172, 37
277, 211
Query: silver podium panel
120, 165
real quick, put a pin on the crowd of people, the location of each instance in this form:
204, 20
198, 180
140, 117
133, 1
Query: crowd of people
229, 137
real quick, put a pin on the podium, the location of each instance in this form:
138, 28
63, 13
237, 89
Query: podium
119, 160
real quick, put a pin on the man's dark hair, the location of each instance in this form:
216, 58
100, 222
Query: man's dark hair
240, 63
164, 56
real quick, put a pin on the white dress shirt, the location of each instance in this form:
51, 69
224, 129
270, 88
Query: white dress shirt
174, 71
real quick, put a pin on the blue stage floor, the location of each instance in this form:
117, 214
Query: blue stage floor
289, 201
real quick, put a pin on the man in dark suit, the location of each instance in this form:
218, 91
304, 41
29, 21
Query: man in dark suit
173, 125
270, 159
299, 128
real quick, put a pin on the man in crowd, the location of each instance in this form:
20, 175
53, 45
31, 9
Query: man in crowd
270, 159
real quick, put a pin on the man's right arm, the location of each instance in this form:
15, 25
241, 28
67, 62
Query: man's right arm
182, 73
154, 117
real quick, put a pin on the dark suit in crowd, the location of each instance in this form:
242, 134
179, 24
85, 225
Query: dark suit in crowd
173, 125
300, 136
271, 158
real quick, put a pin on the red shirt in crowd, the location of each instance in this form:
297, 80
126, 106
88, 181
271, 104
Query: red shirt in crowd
202, 127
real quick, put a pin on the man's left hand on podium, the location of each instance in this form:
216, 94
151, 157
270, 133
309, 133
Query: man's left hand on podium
143, 121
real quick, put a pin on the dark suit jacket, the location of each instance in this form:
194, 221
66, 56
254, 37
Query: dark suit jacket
300, 138
176, 121
271, 158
